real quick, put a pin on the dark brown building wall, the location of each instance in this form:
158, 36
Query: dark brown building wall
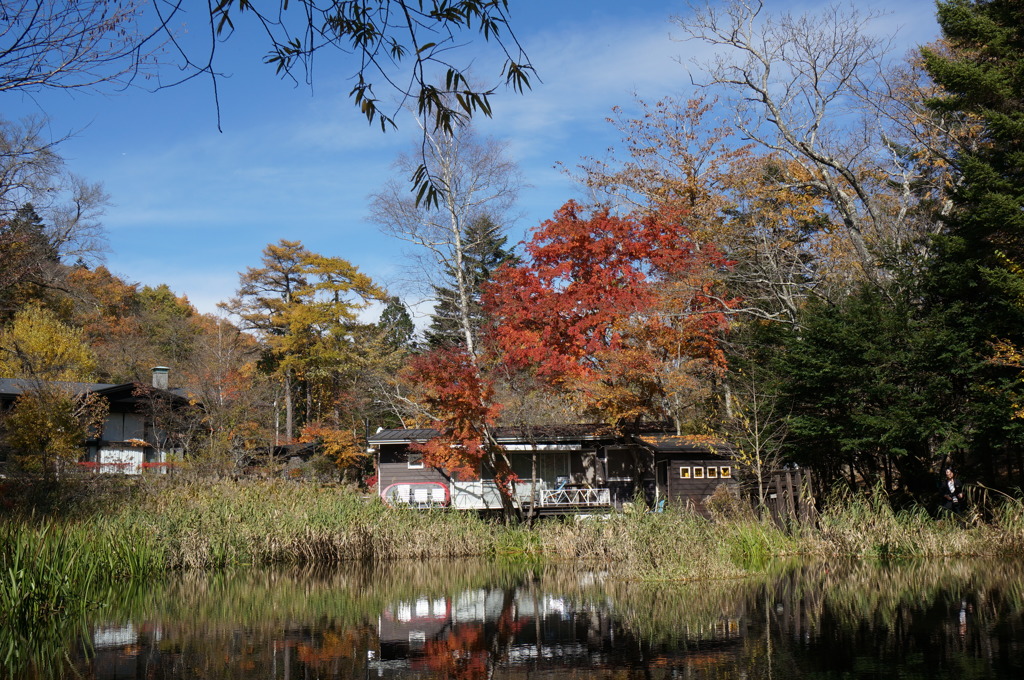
692, 489
394, 468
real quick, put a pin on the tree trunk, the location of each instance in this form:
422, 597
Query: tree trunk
289, 407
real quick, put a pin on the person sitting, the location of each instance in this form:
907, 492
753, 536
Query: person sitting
952, 491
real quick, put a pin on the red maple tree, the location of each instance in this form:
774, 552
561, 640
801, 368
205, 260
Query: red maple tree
620, 311
460, 400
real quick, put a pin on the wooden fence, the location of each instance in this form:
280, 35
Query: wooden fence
790, 498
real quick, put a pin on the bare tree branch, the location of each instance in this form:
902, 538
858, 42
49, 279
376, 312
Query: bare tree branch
802, 87
54, 44
476, 180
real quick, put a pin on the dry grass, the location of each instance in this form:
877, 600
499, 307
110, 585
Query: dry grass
865, 525
676, 545
215, 524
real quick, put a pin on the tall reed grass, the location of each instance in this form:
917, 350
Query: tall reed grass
169, 524
43, 572
203, 524
674, 545
866, 525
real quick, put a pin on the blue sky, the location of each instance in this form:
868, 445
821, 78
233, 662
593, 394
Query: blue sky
192, 206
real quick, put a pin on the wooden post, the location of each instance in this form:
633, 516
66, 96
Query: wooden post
790, 499
777, 506
801, 498
533, 484
809, 507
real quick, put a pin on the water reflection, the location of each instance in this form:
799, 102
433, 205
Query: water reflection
483, 631
469, 620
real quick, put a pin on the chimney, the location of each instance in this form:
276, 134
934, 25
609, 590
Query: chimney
160, 377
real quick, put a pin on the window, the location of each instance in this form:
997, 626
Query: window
684, 473
619, 464
712, 473
698, 473
725, 472
415, 461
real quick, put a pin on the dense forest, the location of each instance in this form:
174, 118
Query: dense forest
817, 259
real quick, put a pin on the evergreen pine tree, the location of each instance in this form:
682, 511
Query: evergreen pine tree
975, 286
486, 252
29, 261
399, 329
983, 76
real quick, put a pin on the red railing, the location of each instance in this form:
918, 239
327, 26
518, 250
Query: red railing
120, 466
159, 466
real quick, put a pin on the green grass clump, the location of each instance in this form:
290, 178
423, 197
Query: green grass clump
51, 568
42, 572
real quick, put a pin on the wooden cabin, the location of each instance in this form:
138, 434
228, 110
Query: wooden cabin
570, 468
130, 441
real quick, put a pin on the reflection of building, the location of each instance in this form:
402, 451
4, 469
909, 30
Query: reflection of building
816, 620
476, 633
519, 628
119, 651
565, 468
404, 628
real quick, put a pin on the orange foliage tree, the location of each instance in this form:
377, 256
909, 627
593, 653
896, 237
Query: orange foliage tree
337, 445
619, 312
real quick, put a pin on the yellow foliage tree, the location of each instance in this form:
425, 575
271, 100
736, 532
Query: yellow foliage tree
48, 426
52, 419
37, 345
303, 307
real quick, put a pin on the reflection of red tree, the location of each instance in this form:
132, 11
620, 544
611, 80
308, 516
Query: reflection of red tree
508, 627
333, 645
460, 654
467, 651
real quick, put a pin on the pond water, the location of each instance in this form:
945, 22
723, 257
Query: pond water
933, 620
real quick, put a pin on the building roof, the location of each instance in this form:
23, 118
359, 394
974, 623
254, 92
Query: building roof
15, 387
402, 436
673, 443
12, 388
502, 434
545, 434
